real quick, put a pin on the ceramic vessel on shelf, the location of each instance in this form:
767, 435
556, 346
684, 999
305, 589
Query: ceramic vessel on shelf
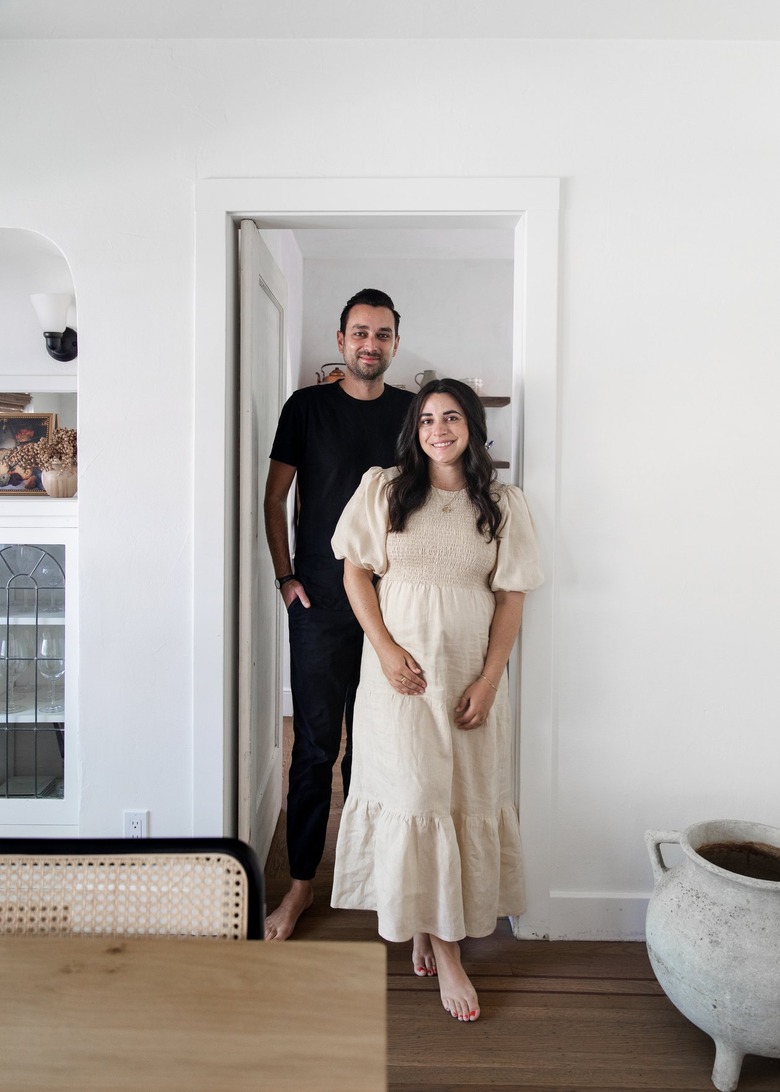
423, 378
60, 480
329, 377
713, 936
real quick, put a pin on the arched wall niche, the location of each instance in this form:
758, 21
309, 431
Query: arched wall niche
29, 263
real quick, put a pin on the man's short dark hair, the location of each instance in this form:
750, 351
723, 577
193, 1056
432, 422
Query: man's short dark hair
372, 297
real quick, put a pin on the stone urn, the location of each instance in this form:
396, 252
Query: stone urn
60, 480
713, 936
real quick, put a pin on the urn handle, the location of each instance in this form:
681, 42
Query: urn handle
654, 839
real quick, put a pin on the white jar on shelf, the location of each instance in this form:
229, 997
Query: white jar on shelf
60, 480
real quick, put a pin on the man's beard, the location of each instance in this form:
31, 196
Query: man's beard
367, 369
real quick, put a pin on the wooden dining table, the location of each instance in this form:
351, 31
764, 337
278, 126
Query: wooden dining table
157, 1014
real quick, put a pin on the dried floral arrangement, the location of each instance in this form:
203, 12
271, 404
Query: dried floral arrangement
61, 447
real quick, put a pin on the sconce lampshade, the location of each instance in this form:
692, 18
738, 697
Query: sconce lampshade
52, 311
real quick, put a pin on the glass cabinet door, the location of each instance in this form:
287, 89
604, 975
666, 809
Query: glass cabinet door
32, 671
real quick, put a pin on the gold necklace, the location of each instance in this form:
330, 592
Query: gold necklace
448, 506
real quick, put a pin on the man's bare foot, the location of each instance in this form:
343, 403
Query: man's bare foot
280, 924
423, 959
457, 993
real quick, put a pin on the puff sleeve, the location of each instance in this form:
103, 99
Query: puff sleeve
517, 562
361, 532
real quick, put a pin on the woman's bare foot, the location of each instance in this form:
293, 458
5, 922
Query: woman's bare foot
280, 924
423, 959
457, 993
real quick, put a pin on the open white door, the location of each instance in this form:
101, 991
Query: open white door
263, 293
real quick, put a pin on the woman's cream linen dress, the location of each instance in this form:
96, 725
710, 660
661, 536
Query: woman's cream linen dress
429, 835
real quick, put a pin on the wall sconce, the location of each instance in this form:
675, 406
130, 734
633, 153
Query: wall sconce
54, 309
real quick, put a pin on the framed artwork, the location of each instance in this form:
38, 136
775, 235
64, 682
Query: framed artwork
18, 473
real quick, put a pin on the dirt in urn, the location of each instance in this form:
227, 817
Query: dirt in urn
756, 860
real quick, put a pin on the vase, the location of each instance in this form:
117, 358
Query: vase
713, 936
60, 480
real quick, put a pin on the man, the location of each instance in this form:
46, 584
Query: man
328, 436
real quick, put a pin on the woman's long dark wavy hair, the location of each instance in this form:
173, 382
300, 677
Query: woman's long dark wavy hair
409, 491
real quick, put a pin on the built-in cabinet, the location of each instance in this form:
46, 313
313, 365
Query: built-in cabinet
39, 736
32, 670
38, 672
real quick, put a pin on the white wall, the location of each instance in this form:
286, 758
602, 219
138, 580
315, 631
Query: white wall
667, 620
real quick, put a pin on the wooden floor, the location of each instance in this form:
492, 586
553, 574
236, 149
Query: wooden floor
563, 1016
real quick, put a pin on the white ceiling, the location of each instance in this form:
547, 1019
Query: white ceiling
589, 19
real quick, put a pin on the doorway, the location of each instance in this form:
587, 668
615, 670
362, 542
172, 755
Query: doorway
376, 204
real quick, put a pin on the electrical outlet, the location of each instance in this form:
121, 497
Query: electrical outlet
136, 824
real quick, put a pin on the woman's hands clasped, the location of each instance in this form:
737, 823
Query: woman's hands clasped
406, 677
473, 708
402, 671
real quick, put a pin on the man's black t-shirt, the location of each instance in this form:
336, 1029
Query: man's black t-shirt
332, 439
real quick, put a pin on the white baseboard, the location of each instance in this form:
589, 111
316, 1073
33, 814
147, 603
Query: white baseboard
286, 702
588, 916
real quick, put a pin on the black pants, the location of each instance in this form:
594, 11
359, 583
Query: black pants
325, 649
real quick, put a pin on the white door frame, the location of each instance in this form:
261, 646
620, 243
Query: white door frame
531, 207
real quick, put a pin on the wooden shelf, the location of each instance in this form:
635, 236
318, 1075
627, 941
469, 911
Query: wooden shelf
495, 401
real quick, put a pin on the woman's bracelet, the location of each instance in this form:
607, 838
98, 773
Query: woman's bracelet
487, 680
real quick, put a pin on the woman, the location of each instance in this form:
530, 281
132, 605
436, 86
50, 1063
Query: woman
429, 836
